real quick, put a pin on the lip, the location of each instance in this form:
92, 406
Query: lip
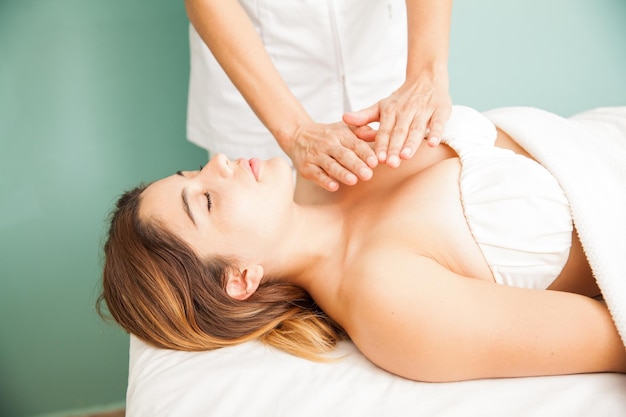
255, 166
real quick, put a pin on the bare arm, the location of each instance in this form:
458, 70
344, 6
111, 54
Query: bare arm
324, 153
228, 32
440, 326
423, 101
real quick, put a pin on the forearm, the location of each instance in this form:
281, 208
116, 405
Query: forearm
230, 35
428, 23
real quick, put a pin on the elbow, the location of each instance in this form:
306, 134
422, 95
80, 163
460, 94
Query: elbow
418, 362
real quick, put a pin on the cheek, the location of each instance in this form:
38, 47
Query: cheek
254, 211
252, 221
237, 220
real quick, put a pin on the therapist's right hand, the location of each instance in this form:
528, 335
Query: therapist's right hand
330, 154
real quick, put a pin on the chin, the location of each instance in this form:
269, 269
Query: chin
285, 171
282, 165
279, 160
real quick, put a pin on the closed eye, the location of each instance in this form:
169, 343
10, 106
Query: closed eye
208, 197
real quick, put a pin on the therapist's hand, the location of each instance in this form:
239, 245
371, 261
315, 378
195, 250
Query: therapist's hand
330, 154
416, 111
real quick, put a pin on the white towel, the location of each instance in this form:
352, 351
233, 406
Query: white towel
587, 155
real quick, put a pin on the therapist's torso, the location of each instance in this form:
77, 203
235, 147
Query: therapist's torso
335, 56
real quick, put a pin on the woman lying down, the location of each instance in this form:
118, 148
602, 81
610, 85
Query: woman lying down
463, 263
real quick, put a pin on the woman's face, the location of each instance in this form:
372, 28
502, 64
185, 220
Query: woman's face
229, 208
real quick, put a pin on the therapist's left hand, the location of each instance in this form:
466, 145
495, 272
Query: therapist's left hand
416, 111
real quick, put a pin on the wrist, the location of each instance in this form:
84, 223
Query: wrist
430, 71
286, 132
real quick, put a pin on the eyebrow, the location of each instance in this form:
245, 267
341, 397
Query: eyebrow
185, 197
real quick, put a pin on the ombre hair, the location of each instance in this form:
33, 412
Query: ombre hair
158, 289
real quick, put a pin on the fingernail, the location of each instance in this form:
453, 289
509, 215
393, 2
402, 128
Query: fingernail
333, 186
407, 152
365, 173
351, 179
382, 156
434, 141
371, 161
393, 161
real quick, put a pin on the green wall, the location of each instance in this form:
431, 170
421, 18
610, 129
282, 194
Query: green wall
92, 101
560, 55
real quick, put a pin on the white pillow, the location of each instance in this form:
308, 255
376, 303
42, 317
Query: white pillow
253, 380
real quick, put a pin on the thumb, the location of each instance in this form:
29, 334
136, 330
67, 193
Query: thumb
362, 117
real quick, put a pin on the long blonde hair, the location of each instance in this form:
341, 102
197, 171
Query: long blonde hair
156, 288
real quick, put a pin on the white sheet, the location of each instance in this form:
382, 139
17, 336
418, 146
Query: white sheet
587, 155
252, 380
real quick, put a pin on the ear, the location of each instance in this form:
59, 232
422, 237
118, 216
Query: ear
242, 284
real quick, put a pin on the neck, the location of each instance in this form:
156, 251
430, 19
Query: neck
315, 241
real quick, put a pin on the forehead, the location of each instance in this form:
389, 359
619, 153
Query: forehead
161, 198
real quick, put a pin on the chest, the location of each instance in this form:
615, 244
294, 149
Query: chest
425, 214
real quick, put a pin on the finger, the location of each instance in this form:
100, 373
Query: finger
347, 166
337, 171
437, 126
365, 133
415, 137
319, 177
362, 117
397, 140
364, 152
382, 137
413, 141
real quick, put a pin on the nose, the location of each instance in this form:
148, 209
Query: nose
219, 164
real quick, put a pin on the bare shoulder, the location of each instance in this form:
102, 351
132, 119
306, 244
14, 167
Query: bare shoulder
371, 288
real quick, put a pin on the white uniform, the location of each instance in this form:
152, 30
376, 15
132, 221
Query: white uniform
335, 56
